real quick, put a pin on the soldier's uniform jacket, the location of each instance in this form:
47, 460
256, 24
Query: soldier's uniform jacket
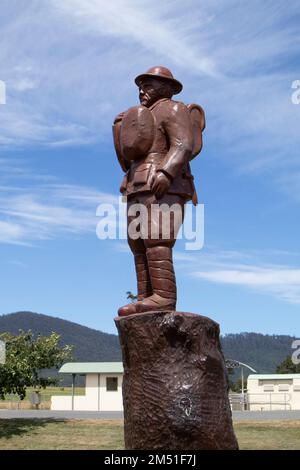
170, 153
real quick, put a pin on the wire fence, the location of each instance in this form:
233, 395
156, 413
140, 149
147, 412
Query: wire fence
37, 399
260, 401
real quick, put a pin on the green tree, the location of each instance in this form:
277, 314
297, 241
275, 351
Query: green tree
237, 386
230, 374
288, 367
26, 358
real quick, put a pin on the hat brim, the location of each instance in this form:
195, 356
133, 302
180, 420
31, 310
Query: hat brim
177, 86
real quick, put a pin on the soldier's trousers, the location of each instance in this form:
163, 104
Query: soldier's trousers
152, 222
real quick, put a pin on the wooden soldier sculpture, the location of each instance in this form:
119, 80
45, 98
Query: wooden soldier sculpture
175, 387
155, 143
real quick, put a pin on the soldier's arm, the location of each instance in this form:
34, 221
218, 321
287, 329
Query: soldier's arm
177, 125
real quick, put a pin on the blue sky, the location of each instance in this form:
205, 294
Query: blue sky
69, 68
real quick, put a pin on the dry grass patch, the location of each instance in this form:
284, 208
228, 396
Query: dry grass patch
36, 434
268, 435
40, 434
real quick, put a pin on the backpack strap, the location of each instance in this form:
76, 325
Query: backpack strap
198, 125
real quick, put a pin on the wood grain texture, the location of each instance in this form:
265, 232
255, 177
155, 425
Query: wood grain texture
175, 388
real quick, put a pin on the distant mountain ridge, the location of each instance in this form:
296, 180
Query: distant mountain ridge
262, 352
89, 345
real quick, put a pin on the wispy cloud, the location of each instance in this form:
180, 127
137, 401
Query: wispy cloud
11, 233
15, 262
41, 214
250, 270
45, 209
237, 59
281, 282
24, 84
157, 28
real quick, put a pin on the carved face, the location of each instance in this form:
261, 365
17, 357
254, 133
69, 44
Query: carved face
152, 90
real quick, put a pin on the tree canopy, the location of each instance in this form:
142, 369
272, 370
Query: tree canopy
288, 367
26, 358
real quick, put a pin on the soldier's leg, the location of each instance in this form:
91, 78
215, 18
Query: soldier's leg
138, 248
144, 288
159, 256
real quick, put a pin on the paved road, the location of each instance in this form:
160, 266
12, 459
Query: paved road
48, 414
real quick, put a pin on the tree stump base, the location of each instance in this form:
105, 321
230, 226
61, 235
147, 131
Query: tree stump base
175, 387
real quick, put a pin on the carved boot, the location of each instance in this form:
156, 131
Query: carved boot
143, 284
163, 281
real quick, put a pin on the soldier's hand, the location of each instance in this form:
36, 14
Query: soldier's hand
160, 184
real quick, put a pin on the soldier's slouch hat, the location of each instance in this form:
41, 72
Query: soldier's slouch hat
163, 74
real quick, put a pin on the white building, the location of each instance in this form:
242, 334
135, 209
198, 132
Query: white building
273, 392
103, 389
2, 352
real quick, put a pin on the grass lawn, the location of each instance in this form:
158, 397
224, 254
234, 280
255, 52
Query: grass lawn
44, 434
34, 434
282, 435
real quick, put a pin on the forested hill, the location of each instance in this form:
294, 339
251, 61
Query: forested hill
89, 345
262, 352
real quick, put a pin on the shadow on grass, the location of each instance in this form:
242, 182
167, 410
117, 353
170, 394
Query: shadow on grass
10, 428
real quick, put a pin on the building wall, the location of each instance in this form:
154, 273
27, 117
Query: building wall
61, 403
91, 393
273, 394
111, 401
96, 397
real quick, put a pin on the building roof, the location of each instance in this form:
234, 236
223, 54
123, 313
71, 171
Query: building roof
273, 376
92, 368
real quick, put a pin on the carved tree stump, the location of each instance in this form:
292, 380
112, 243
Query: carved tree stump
175, 388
